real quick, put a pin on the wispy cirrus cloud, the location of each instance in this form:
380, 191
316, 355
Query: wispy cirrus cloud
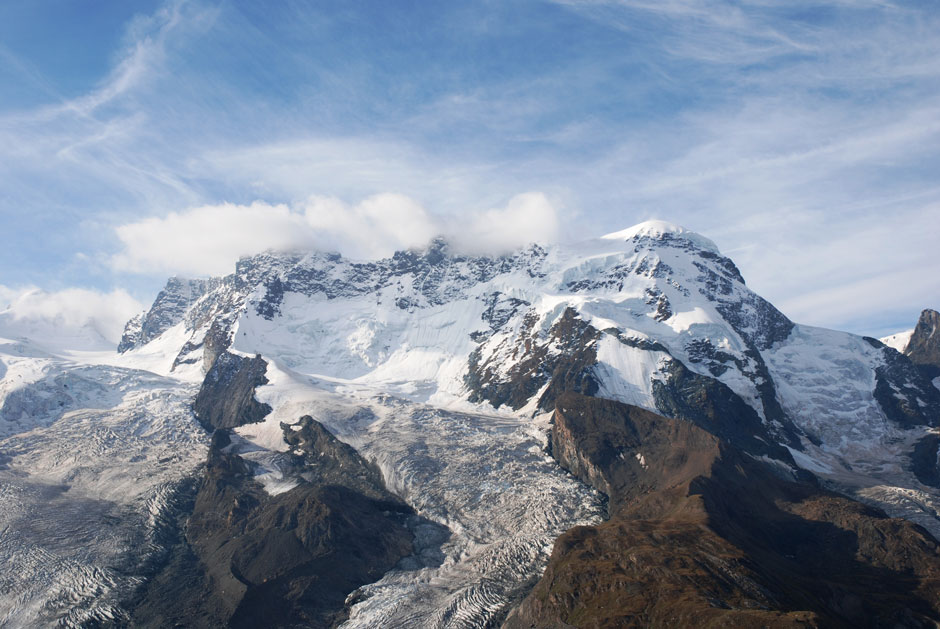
773, 128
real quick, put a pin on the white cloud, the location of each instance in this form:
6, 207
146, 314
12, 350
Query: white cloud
207, 240
375, 228
73, 313
8, 295
527, 218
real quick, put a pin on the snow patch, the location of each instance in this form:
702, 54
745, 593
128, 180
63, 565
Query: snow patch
898, 341
657, 229
624, 372
807, 462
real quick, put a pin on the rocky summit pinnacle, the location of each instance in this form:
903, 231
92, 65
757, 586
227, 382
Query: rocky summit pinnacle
924, 346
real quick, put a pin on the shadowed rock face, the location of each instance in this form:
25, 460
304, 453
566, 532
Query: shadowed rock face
904, 391
250, 559
924, 460
924, 347
714, 407
227, 396
701, 534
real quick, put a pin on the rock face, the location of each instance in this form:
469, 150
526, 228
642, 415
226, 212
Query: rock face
171, 303
250, 559
924, 347
702, 535
711, 405
925, 460
227, 396
562, 362
904, 391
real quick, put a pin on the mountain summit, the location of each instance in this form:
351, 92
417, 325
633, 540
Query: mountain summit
924, 345
661, 230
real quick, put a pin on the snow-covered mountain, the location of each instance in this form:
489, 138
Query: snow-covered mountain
634, 316
443, 369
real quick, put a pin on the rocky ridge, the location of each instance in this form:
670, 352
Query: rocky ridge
924, 346
249, 559
701, 535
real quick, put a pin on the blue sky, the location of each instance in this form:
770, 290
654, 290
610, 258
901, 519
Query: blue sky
143, 139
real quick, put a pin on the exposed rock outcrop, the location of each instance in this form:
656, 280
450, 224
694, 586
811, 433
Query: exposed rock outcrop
227, 396
925, 459
713, 406
563, 361
924, 347
250, 559
701, 534
904, 391
170, 305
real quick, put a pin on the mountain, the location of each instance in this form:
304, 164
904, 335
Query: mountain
652, 316
700, 535
446, 372
921, 344
924, 346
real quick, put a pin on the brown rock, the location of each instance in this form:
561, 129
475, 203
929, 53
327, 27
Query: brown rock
703, 535
924, 346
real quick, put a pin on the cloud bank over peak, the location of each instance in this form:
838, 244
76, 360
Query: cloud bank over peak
527, 218
374, 228
207, 240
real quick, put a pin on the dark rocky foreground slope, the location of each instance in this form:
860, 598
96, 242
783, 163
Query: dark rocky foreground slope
701, 534
249, 559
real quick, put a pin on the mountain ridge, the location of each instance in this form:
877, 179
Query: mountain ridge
702, 315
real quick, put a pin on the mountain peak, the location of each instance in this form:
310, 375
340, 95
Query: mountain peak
924, 346
662, 230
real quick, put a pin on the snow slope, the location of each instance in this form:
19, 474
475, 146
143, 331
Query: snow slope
899, 340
